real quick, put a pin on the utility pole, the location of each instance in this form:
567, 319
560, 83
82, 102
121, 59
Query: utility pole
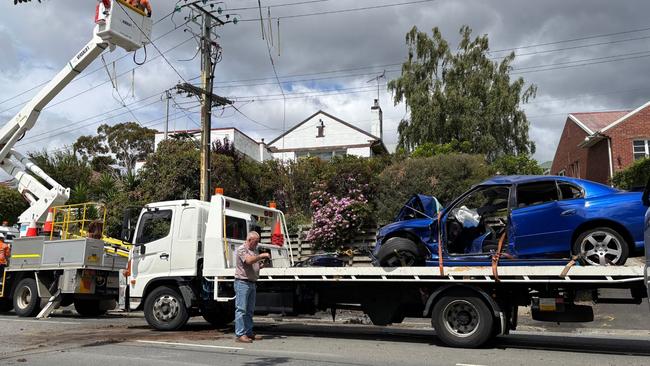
168, 96
206, 108
208, 11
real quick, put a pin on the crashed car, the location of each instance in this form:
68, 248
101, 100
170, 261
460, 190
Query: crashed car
538, 220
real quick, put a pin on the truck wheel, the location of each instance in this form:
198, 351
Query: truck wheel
219, 314
165, 309
90, 307
399, 252
462, 319
26, 300
601, 246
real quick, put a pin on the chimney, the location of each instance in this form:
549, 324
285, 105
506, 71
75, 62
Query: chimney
262, 147
376, 121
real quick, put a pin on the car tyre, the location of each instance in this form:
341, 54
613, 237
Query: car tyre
164, 309
26, 301
601, 246
400, 252
462, 319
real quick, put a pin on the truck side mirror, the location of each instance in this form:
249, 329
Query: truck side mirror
128, 224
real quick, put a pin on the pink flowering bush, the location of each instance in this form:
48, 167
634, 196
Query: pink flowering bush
336, 219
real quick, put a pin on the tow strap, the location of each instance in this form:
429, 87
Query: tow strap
496, 256
568, 266
440, 264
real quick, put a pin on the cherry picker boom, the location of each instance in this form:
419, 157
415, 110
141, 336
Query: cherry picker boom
43, 274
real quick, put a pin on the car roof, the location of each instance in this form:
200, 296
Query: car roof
516, 179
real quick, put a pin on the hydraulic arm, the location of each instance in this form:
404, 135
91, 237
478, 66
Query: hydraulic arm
117, 24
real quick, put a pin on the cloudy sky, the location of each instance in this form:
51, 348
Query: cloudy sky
587, 55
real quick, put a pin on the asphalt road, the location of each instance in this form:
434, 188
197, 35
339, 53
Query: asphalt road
126, 340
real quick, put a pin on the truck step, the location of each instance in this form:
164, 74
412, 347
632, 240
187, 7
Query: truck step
51, 305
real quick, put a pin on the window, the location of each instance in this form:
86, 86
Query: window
484, 201
529, 194
641, 149
188, 224
562, 173
325, 155
154, 225
321, 129
569, 191
236, 228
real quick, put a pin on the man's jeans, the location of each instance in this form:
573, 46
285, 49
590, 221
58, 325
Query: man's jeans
245, 305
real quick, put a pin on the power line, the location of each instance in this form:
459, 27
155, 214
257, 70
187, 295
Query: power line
88, 73
339, 11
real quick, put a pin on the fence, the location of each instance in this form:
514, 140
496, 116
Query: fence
303, 248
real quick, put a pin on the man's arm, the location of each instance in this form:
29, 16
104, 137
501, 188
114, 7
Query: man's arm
250, 259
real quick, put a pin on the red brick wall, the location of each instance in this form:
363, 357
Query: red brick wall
568, 152
636, 127
598, 163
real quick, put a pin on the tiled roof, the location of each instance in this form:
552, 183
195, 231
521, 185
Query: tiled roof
596, 121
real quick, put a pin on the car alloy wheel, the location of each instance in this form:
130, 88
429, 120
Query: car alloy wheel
601, 248
461, 318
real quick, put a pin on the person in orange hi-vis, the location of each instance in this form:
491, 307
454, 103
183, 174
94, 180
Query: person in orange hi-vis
5, 251
142, 5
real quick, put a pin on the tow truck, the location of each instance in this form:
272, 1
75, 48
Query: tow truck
182, 264
45, 272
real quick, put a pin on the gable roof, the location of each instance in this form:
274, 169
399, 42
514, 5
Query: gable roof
328, 115
593, 122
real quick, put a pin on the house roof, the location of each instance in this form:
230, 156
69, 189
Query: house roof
330, 116
596, 122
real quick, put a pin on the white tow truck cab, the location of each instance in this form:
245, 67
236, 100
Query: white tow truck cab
179, 244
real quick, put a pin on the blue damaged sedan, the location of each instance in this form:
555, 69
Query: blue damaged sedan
531, 219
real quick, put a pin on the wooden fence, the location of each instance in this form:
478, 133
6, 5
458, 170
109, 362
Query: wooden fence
302, 248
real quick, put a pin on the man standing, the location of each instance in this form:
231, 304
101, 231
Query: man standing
247, 271
5, 252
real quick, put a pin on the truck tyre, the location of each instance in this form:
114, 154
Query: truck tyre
462, 319
219, 314
26, 301
91, 307
165, 309
601, 246
400, 252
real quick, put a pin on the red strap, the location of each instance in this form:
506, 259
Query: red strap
440, 264
496, 256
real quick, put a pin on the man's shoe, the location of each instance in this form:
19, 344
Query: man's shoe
243, 339
255, 337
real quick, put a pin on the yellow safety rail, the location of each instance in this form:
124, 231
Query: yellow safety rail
73, 222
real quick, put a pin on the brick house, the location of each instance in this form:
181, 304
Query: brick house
595, 145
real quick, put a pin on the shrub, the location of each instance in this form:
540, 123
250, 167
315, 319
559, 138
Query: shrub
442, 176
635, 176
337, 219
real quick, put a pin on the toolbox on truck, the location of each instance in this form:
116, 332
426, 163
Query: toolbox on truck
36, 252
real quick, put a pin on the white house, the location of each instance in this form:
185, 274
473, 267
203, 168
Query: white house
242, 142
326, 136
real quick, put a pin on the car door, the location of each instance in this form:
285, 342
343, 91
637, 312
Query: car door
151, 255
541, 224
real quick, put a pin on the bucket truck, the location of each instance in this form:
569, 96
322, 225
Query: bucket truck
43, 274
